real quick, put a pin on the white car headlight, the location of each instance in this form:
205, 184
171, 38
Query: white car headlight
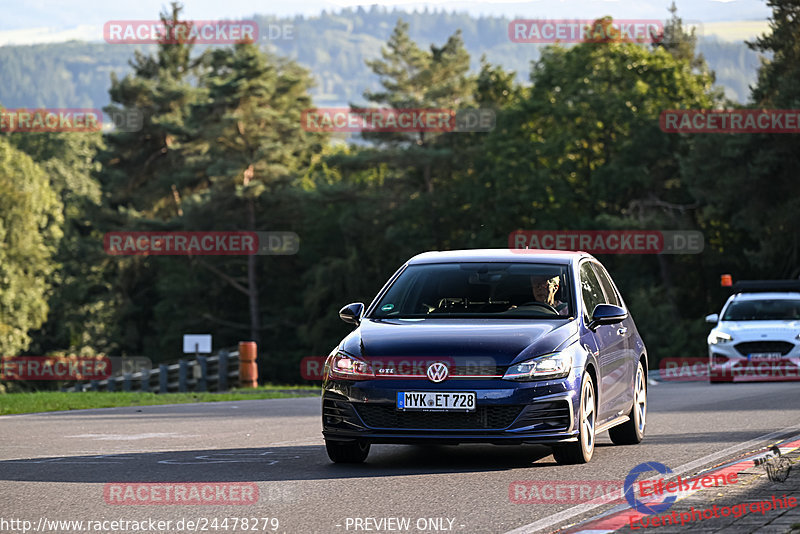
555, 365
717, 336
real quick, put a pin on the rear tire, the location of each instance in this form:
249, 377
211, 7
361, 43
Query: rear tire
582, 451
347, 452
632, 431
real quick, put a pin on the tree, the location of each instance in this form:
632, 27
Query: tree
139, 170
582, 149
30, 230
247, 143
749, 188
413, 78
778, 77
682, 44
138, 166
82, 301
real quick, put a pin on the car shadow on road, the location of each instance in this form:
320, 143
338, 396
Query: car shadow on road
306, 462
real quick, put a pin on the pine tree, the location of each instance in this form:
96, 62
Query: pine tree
138, 166
247, 143
778, 83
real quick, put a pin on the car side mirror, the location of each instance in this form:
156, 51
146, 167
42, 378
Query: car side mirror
352, 313
606, 314
713, 318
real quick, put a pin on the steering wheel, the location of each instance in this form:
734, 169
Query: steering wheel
541, 305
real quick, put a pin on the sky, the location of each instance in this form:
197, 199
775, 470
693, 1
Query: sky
33, 21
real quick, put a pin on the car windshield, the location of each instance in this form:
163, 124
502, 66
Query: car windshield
763, 310
486, 290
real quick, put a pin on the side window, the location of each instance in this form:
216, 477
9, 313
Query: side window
590, 288
608, 287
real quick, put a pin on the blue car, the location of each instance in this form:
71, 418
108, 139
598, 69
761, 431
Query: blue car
488, 346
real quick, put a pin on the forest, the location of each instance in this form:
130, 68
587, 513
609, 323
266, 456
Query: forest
576, 146
333, 46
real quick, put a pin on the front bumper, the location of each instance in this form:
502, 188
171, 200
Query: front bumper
734, 362
506, 412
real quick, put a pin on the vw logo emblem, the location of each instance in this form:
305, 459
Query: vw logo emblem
437, 372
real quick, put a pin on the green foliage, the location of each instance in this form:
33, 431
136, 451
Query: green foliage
779, 76
246, 146
81, 307
56, 401
138, 167
582, 149
749, 189
30, 230
222, 148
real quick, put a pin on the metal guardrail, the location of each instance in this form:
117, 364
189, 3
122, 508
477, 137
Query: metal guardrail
204, 373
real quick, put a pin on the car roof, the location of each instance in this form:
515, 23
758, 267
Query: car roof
767, 296
564, 257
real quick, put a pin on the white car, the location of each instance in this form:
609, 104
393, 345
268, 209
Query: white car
757, 334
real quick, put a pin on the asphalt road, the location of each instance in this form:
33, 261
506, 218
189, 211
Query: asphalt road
56, 465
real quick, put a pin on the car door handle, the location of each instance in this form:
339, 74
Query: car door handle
622, 331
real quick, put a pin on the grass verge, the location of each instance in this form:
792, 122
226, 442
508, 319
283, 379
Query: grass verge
54, 401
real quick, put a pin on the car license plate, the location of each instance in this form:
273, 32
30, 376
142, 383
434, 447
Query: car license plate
765, 356
436, 401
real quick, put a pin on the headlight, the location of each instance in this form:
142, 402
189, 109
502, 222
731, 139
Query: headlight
350, 368
718, 337
551, 366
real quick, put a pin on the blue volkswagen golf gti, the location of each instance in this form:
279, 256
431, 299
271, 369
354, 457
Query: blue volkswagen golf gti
488, 346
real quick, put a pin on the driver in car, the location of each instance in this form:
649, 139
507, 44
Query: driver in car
545, 289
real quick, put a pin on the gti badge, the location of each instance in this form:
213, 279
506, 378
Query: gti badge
437, 372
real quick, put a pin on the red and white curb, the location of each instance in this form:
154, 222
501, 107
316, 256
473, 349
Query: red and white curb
618, 516
615, 520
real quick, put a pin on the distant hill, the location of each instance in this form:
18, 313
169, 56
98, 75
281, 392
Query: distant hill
333, 46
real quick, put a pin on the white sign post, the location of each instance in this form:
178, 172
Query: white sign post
196, 344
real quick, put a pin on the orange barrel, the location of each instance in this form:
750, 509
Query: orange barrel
248, 371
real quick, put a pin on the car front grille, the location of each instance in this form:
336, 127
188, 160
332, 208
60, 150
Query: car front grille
551, 415
749, 347
483, 418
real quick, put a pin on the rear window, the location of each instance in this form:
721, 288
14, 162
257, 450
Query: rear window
487, 290
763, 310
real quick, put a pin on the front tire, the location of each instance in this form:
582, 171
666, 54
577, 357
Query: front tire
347, 452
582, 451
632, 432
